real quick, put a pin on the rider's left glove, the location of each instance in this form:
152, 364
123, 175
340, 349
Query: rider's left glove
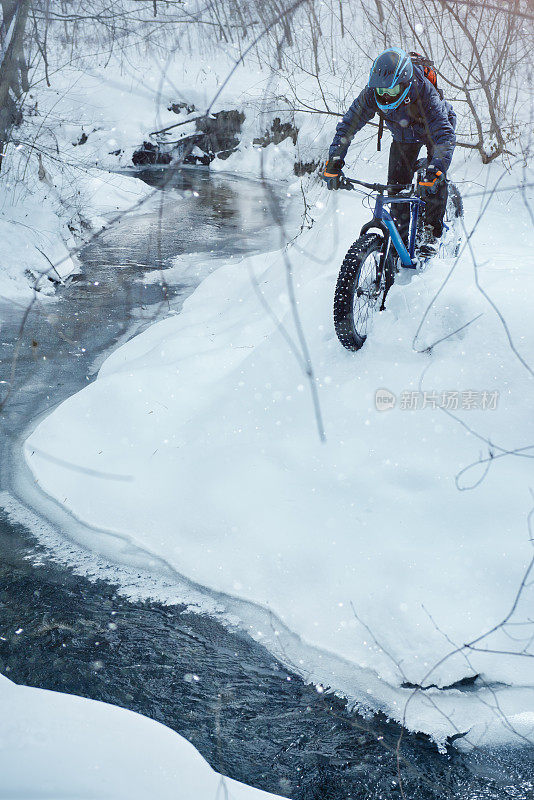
332, 172
434, 177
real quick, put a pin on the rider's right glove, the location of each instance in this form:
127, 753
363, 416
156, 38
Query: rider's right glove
433, 179
332, 172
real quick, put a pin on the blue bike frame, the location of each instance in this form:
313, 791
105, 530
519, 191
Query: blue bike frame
381, 213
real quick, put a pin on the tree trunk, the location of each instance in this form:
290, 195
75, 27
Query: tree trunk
12, 67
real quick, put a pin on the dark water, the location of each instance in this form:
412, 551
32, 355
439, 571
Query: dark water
197, 212
249, 716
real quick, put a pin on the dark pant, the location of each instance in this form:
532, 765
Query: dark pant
402, 158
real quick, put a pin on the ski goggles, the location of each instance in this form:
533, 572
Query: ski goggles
392, 91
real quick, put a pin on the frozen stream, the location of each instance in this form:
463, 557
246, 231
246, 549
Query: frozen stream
251, 717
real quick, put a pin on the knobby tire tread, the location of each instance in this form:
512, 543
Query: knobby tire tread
346, 286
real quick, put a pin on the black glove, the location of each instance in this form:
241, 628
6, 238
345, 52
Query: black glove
433, 179
332, 172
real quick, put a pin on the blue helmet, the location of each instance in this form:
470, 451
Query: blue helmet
391, 77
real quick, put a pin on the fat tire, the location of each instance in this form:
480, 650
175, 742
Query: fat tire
347, 284
456, 200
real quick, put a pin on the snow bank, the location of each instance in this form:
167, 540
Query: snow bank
40, 220
33, 230
106, 111
58, 745
107, 193
274, 161
383, 547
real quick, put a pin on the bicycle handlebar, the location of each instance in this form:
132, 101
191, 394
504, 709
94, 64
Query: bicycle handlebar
347, 183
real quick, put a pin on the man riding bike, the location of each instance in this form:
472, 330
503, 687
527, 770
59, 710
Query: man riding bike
416, 114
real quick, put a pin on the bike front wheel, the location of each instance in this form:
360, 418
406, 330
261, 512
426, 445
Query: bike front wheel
362, 285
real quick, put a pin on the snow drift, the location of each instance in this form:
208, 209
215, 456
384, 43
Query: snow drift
58, 745
392, 545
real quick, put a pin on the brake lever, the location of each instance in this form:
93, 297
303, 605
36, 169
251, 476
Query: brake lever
345, 184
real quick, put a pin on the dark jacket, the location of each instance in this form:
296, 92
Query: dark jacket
422, 117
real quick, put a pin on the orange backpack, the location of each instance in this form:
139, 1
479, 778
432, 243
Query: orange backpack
427, 66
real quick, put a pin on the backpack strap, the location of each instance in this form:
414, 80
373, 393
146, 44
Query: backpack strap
380, 132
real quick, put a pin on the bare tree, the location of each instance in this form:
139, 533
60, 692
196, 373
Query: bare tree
482, 53
13, 66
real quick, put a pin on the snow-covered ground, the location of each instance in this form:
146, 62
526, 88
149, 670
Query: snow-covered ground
40, 221
405, 535
383, 548
61, 746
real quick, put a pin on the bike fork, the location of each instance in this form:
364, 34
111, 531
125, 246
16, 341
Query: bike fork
383, 270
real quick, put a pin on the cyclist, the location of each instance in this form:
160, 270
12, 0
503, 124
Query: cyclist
416, 115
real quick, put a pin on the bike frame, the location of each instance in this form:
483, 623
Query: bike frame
382, 214
382, 218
